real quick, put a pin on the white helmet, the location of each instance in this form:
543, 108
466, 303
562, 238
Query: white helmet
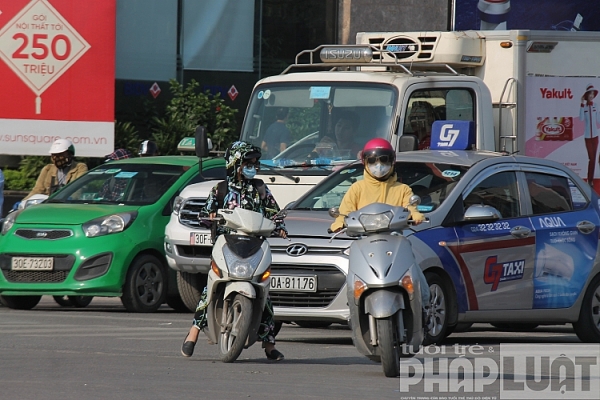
62, 145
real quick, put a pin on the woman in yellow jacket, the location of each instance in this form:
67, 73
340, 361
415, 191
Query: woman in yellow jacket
379, 184
62, 170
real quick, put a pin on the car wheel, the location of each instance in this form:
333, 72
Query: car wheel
190, 288
587, 327
177, 304
313, 324
515, 327
62, 301
20, 302
80, 301
145, 288
437, 315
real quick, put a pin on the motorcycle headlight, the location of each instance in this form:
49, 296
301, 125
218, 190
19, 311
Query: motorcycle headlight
241, 268
177, 204
376, 222
9, 221
110, 224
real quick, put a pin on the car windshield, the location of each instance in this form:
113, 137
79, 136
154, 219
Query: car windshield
130, 184
431, 181
316, 123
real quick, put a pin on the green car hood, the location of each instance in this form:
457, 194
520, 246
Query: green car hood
68, 214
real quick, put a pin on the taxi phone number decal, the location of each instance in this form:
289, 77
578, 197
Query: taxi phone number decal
495, 226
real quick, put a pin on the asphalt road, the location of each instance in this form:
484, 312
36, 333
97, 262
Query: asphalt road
103, 352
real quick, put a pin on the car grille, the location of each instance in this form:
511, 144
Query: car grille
35, 276
310, 250
194, 251
188, 215
329, 282
44, 234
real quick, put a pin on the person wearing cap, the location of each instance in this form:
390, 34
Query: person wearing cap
118, 154
241, 190
588, 112
148, 149
64, 169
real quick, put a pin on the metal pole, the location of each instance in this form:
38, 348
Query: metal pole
260, 22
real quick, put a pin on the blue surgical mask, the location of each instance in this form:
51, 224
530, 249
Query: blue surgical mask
249, 172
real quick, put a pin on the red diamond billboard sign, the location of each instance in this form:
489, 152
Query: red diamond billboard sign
43, 46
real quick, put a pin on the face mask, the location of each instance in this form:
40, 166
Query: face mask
379, 170
249, 172
61, 161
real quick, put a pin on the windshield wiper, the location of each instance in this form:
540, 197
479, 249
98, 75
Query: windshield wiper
322, 166
275, 170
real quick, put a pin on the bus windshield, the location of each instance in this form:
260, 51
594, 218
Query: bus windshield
317, 123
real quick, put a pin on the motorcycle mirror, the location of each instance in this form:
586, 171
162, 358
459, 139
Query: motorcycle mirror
334, 212
414, 200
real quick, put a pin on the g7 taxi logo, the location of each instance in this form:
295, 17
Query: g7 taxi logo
500, 272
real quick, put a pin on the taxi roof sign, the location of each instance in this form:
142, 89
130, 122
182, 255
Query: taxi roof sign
187, 144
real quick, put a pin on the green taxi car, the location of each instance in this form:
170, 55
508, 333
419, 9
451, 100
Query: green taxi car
101, 235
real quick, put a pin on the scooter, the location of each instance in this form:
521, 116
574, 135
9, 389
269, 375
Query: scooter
239, 280
383, 288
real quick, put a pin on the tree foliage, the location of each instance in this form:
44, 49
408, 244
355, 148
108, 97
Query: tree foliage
188, 109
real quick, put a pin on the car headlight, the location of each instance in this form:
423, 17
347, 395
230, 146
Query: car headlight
177, 204
376, 222
110, 224
241, 268
9, 221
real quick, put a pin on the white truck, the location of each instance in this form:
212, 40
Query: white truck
525, 91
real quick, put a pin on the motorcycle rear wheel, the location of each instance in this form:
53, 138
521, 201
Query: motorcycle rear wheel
236, 327
388, 339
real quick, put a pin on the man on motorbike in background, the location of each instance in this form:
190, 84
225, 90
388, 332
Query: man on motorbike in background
64, 169
240, 190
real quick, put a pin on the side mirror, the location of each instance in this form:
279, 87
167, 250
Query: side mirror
414, 200
334, 212
481, 213
202, 142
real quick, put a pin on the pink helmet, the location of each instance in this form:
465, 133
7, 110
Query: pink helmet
376, 148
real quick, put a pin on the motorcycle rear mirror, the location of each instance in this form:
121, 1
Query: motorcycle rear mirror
334, 212
414, 200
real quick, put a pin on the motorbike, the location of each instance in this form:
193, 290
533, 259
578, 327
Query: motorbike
238, 281
383, 288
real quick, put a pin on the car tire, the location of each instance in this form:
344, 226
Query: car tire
515, 327
190, 288
73, 301
439, 307
62, 301
313, 324
587, 326
177, 304
20, 302
145, 288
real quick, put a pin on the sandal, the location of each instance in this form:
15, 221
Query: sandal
274, 355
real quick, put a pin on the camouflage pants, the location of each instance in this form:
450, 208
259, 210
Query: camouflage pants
266, 332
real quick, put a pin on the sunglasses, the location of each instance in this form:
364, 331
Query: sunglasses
384, 159
255, 165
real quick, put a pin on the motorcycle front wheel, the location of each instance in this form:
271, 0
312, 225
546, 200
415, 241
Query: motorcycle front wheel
235, 327
388, 340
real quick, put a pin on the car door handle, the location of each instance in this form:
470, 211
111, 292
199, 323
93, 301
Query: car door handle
520, 232
586, 227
